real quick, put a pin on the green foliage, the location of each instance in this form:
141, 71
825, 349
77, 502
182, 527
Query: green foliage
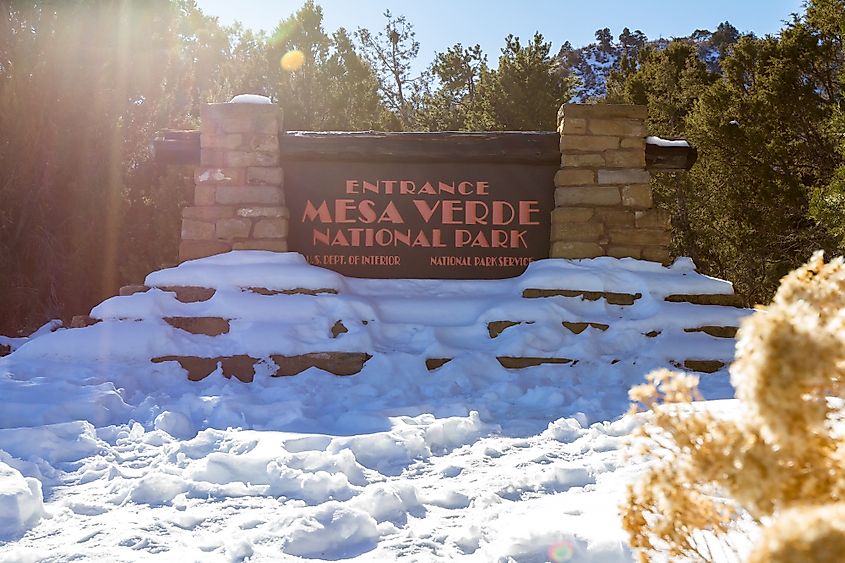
391, 53
82, 89
524, 92
334, 89
765, 192
458, 72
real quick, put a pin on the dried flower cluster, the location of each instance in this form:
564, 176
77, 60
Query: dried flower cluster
780, 458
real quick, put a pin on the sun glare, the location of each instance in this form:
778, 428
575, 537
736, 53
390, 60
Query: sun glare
292, 60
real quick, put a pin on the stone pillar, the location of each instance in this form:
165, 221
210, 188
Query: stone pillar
239, 200
603, 204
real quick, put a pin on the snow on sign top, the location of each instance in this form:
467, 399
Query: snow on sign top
661, 142
250, 99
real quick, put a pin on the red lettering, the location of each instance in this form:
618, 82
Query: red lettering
367, 211
426, 211
526, 208
391, 215
450, 206
462, 237
311, 213
499, 209
341, 208
476, 212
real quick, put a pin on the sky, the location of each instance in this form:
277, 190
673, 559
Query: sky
440, 24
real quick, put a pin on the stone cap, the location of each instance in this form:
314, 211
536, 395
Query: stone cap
602, 111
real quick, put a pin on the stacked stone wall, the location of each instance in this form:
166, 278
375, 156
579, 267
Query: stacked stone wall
603, 201
239, 198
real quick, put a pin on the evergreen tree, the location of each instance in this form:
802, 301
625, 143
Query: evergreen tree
391, 52
524, 92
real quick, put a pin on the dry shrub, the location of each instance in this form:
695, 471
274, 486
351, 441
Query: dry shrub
780, 456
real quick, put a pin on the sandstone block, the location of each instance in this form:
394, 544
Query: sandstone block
192, 249
572, 214
228, 141
432, 364
262, 195
271, 176
338, 363
609, 296
197, 230
587, 195
207, 213
204, 195
250, 125
338, 328
132, 290
615, 216
653, 219
575, 250
657, 254
271, 228
620, 251
569, 177
728, 300
240, 367
605, 111
637, 195
617, 127
209, 326
511, 362
715, 331
495, 328
576, 232
704, 366
578, 328
625, 158
190, 293
582, 160
262, 142
232, 228
81, 321
275, 245
573, 126
224, 158
624, 176
587, 143
650, 237
276, 211
197, 368
633, 143
220, 176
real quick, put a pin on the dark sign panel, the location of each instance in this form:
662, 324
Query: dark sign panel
430, 219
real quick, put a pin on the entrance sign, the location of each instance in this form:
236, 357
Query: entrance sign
459, 205
429, 206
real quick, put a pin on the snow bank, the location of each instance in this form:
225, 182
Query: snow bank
21, 502
470, 461
424, 318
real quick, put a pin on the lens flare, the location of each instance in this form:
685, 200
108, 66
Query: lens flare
292, 60
562, 551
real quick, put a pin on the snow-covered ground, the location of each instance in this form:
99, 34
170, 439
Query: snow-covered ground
470, 461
